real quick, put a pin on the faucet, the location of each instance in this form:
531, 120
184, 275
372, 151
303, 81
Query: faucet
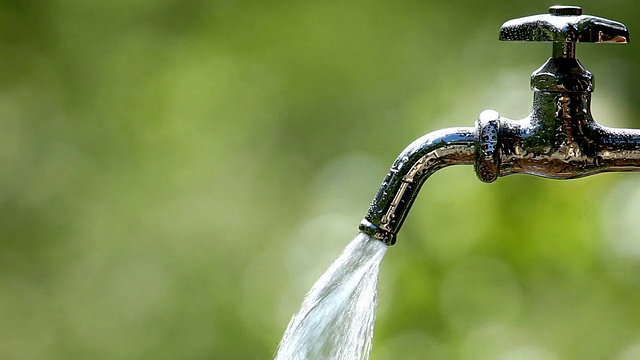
559, 139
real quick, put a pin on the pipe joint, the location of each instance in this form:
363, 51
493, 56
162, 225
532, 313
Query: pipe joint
487, 164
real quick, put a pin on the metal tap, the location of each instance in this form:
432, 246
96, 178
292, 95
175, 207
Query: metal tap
558, 140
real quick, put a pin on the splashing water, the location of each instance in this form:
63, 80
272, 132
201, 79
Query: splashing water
337, 315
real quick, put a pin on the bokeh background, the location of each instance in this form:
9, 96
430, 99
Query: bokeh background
175, 175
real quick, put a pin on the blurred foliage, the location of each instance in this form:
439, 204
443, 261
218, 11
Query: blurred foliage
174, 176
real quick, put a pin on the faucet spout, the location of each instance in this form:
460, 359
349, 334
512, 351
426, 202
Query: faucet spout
418, 161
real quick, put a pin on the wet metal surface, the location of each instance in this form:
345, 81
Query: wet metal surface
558, 140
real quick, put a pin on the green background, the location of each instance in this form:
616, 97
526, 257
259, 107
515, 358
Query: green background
175, 175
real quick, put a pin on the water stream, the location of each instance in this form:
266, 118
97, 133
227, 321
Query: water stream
337, 315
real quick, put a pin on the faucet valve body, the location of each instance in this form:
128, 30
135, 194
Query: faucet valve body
559, 139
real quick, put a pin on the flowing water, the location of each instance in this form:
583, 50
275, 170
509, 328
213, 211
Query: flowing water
337, 315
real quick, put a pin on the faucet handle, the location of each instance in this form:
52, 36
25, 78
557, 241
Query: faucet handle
564, 24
